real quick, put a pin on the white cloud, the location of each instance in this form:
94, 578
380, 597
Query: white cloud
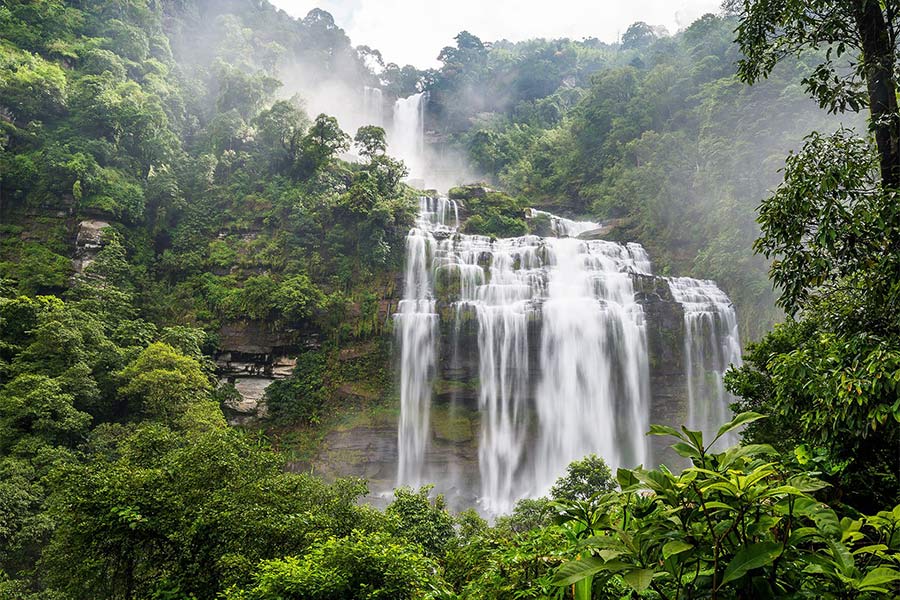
414, 31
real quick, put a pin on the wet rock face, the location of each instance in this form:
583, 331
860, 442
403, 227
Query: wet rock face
248, 403
88, 241
253, 338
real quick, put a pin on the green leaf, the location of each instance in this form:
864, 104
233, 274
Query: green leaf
741, 419
841, 558
693, 437
873, 549
686, 450
736, 452
711, 504
638, 579
807, 484
665, 430
626, 478
876, 578
824, 518
583, 588
576, 570
675, 547
749, 558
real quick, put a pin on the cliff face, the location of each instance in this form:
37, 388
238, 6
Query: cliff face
510, 312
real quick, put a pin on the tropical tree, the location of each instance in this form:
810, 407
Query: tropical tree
370, 140
832, 229
859, 39
161, 382
322, 141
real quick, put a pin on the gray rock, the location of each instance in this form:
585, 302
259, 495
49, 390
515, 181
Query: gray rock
88, 241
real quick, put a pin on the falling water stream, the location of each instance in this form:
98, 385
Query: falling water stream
578, 382
406, 136
711, 345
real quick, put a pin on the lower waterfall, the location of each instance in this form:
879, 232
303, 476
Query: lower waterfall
711, 345
562, 350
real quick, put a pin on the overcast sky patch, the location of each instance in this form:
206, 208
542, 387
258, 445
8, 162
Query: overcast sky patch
414, 31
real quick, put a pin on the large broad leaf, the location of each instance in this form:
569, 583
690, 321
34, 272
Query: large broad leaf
657, 481
686, 450
626, 478
807, 484
675, 547
842, 559
741, 419
693, 437
875, 579
737, 452
665, 430
638, 579
823, 516
583, 588
576, 570
751, 557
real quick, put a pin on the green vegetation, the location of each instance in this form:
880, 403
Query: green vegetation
159, 193
493, 213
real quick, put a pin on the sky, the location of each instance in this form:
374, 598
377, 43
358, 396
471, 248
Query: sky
414, 31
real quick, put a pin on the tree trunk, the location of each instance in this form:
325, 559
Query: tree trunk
878, 65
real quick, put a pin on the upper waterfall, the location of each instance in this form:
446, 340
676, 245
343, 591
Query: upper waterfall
562, 366
407, 133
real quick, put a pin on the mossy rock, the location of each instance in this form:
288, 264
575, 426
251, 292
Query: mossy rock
453, 425
446, 283
448, 386
468, 192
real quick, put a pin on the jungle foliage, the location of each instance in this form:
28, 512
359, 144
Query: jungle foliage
218, 201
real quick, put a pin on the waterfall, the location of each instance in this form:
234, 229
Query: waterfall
592, 393
562, 227
416, 324
562, 353
373, 106
711, 345
407, 133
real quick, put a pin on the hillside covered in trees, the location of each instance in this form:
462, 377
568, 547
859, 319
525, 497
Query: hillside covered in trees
176, 196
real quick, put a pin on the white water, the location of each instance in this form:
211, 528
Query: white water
417, 324
593, 395
406, 139
711, 346
562, 227
582, 387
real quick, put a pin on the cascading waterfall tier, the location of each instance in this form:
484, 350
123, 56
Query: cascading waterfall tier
562, 366
711, 346
417, 322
